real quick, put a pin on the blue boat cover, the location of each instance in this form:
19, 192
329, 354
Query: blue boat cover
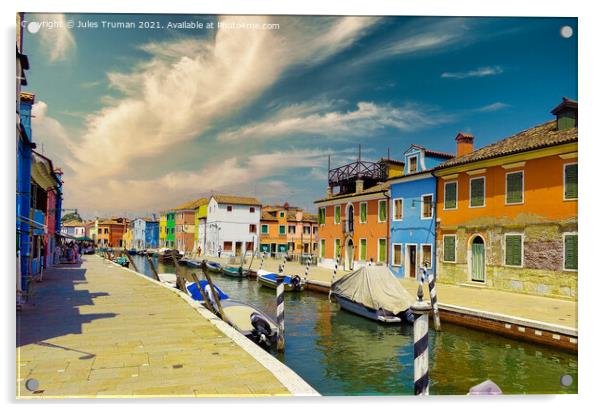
272, 277
196, 295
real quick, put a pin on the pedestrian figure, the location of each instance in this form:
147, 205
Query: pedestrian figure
198, 251
219, 252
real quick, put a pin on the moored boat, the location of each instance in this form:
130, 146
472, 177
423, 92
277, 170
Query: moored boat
374, 293
214, 267
123, 261
291, 283
132, 251
233, 271
169, 279
191, 263
166, 255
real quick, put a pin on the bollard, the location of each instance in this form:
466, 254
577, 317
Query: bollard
334, 274
421, 310
280, 310
307, 268
433, 295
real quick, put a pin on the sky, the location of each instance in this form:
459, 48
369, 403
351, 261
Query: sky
142, 119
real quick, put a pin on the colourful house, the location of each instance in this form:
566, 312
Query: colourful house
288, 229
162, 229
187, 224
200, 231
412, 214
170, 226
151, 233
507, 213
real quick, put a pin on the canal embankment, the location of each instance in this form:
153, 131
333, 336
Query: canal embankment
100, 330
536, 319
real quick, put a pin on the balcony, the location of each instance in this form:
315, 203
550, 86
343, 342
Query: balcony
345, 176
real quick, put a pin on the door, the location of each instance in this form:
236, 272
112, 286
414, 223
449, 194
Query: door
412, 260
238, 249
478, 260
349, 252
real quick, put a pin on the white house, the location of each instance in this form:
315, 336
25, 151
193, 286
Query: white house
139, 226
231, 226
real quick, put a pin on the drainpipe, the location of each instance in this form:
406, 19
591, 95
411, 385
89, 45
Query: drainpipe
388, 198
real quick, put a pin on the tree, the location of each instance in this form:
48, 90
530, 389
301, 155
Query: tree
71, 216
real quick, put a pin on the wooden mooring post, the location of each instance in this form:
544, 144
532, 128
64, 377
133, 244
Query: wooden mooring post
421, 310
206, 300
153, 269
180, 282
127, 254
213, 291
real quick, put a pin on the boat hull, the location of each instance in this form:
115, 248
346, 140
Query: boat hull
232, 272
288, 287
372, 314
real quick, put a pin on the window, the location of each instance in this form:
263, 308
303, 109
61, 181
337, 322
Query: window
291, 246
227, 246
251, 210
397, 209
281, 214
427, 207
315, 230
265, 229
252, 228
412, 164
363, 249
322, 248
451, 195
229, 208
426, 257
306, 230
396, 254
477, 192
337, 247
449, 248
337, 214
282, 230
382, 210
363, 212
570, 251
382, 250
570, 181
322, 215
514, 188
292, 230
514, 250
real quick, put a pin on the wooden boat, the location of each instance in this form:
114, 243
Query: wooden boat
190, 262
166, 255
291, 284
169, 279
374, 293
123, 261
233, 271
214, 267
245, 318
132, 251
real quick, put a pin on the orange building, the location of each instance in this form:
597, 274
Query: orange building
111, 231
507, 213
288, 229
186, 225
353, 222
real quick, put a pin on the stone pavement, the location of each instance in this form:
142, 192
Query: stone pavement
541, 309
99, 331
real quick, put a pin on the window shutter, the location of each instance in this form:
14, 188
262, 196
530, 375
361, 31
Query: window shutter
477, 192
449, 249
514, 188
363, 212
570, 252
382, 211
383, 250
337, 214
363, 249
513, 250
570, 182
450, 195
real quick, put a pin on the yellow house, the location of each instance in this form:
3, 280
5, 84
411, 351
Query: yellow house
128, 238
162, 229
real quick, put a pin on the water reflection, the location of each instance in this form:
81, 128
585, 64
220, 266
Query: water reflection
339, 353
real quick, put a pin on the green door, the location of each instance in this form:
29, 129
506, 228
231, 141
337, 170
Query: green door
478, 260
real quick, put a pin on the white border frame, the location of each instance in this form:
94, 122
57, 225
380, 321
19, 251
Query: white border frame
406, 262
378, 250
393, 219
522, 249
378, 211
360, 215
564, 198
416, 156
393, 254
359, 255
484, 178
564, 269
422, 206
422, 254
334, 216
445, 190
469, 258
455, 249
506, 188
322, 208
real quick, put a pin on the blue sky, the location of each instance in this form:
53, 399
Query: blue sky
144, 119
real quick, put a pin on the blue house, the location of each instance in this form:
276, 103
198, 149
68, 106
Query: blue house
151, 234
412, 217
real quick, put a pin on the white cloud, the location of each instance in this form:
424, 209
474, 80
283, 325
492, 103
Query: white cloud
480, 72
57, 39
492, 107
49, 134
364, 120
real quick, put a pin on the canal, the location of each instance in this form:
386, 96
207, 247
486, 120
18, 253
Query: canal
339, 353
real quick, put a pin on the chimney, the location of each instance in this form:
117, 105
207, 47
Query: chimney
329, 191
566, 114
359, 186
464, 143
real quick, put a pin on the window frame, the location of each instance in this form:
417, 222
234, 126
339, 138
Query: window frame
470, 205
393, 214
393, 263
363, 204
569, 199
385, 209
322, 248
564, 235
445, 184
280, 231
422, 217
422, 245
522, 202
335, 214
334, 252
455, 249
410, 163
379, 249
522, 249
267, 229
322, 213
360, 249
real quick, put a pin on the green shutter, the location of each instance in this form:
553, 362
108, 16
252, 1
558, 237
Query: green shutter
382, 253
363, 212
382, 211
282, 230
514, 187
363, 249
449, 249
477, 192
514, 255
570, 252
322, 247
451, 190
337, 214
337, 247
322, 216
570, 182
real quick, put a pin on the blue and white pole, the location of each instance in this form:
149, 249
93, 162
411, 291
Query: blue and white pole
280, 308
334, 274
421, 310
261, 263
307, 269
433, 295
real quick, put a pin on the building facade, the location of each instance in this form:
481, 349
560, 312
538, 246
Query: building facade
507, 212
200, 218
151, 234
288, 229
412, 213
232, 225
162, 229
187, 224
170, 227
111, 231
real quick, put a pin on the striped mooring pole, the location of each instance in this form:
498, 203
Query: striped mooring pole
307, 268
280, 308
334, 274
433, 295
261, 263
421, 310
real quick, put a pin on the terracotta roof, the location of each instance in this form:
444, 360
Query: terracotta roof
28, 97
237, 200
565, 104
110, 222
73, 223
310, 218
537, 137
382, 187
433, 153
268, 216
192, 204
393, 161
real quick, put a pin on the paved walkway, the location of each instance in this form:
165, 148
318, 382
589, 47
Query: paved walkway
541, 309
100, 331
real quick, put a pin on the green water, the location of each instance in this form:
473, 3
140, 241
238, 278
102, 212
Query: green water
339, 353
